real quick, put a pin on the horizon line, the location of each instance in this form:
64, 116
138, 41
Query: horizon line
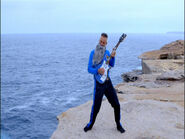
170, 32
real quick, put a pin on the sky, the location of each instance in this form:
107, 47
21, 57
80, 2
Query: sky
92, 16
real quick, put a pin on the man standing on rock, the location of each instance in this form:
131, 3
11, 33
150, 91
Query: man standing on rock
96, 57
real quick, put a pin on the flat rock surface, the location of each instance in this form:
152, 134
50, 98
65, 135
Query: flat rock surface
141, 119
154, 113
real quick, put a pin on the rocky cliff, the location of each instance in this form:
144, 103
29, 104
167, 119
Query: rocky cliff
152, 102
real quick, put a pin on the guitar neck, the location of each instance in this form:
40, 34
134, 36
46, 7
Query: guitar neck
123, 36
114, 49
116, 45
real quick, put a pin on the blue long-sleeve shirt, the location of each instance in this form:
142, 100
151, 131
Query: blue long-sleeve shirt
94, 70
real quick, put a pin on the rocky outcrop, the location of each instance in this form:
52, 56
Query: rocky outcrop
152, 104
142, 119
174, 50
145, 113
154, 66
172, 75
169, 57
131, 76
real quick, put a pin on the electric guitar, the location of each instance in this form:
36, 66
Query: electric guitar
105, 62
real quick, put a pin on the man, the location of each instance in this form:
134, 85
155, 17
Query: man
96, 57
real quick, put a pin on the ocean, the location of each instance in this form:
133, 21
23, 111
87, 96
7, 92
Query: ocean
43, 75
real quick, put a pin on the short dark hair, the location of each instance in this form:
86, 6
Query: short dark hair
104, 35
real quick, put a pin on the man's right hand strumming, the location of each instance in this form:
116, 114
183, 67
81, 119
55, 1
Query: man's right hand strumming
101, 71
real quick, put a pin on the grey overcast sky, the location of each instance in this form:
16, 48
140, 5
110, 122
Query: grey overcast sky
91, 16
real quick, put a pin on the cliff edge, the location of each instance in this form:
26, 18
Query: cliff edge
152, 102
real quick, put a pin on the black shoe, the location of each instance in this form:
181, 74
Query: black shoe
121, 129
86, 128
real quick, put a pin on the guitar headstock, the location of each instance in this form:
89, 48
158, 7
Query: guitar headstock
123, 36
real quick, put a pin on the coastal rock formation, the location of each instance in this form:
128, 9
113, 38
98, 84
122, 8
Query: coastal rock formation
165, 91
169, 57
141, 119
153, 66
172, 75
174, 50
131, 76
151, 100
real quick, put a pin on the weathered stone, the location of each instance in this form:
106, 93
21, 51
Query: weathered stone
176, 45
172, 75
144, 119
179, 126
174, 50
153, 66
131, 76
119, 92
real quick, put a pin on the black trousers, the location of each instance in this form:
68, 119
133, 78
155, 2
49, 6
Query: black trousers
109, 91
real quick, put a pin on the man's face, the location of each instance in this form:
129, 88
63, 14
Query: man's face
103, 41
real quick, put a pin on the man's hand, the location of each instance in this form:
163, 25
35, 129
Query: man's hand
101, 71
113, 54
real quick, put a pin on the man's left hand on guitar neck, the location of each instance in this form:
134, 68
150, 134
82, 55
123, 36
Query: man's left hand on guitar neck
113, 54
